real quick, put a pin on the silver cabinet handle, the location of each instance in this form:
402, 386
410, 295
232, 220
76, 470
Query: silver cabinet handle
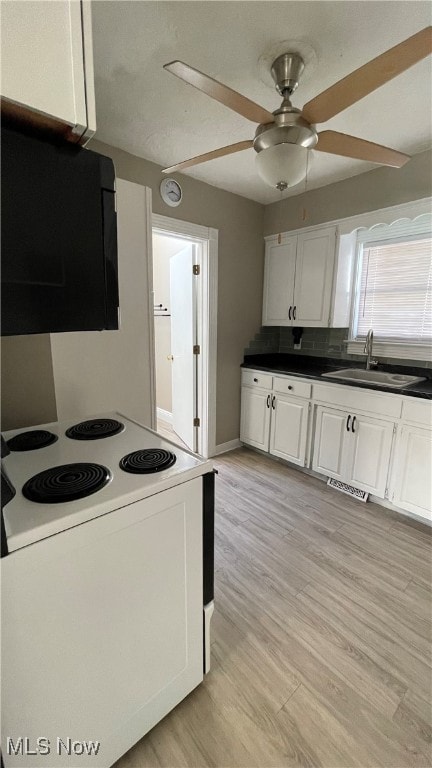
268, 401
289, 313
273, 402
294, 313
352, 425
348, 423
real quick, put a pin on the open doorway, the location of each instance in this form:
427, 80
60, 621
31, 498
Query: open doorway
184, 289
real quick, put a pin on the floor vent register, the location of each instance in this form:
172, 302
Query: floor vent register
349, 489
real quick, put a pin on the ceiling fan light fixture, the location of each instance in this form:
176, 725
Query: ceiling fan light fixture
283, 165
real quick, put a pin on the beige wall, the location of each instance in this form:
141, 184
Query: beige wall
27, 392
380, 188
241, 265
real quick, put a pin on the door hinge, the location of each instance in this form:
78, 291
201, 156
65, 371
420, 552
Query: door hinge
386, 493
394, 429
196, 349
196, 269
196, 422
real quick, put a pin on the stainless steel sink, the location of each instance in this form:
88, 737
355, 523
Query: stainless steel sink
380, 378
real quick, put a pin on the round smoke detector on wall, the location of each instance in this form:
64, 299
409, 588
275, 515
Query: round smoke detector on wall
171, 192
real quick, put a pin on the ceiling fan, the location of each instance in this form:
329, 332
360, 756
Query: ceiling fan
284, 137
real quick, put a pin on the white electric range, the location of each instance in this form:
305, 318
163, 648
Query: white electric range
107, 587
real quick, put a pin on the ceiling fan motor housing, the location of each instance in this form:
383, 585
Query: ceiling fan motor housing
288, 128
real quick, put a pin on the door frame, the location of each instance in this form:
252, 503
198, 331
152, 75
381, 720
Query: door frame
207, 321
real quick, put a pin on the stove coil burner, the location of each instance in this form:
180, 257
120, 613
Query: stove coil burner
94, 429
67, 482
147, 460
30, 441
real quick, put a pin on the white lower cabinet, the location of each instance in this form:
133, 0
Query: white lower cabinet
352, 448
345, 444
275, 422
413, 471
255, 417
288, 429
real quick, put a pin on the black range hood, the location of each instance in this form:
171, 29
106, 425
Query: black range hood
59, 238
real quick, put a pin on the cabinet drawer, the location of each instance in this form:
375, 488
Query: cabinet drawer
418, 411
256, 379
354, 399
292, 387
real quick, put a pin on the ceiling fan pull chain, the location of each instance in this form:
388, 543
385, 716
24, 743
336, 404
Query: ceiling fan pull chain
304, 211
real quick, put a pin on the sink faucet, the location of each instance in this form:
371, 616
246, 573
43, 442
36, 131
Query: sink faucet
370, 362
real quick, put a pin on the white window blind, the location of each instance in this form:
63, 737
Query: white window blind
394, 289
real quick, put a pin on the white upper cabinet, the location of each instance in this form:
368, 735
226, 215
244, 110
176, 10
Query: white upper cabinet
279, 274
314, 277
47, 66
298, 278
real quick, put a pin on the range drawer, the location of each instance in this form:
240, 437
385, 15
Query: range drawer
292, 386
257, 379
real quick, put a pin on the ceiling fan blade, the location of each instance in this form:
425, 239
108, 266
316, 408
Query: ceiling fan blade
210, 156
367, 78
220, 92
349, 146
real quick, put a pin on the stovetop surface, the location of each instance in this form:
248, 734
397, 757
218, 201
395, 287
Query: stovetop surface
27, 521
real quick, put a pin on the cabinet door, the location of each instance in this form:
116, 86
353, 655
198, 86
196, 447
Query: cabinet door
255, 417
43, 60
279, 273
288, 429
372, 441
413, 471
330, 448
314, 275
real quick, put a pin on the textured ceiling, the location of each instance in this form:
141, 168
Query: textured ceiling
145, 110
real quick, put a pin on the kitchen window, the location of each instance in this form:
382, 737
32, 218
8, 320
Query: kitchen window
393, 290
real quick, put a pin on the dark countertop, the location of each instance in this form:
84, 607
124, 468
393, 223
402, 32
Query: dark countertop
310, 367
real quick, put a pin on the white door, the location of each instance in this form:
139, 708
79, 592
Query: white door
279, 273
255, 417
313, 278
330, 443
289, 428
371, 453
183, 338
414, 471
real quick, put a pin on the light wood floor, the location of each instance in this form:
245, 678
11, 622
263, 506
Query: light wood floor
321, 633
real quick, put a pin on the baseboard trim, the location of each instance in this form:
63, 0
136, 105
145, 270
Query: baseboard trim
164, 415
231, 445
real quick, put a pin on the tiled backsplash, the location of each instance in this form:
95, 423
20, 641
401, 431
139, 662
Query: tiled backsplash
318, 342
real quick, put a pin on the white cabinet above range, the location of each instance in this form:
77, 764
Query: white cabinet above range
47, 66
